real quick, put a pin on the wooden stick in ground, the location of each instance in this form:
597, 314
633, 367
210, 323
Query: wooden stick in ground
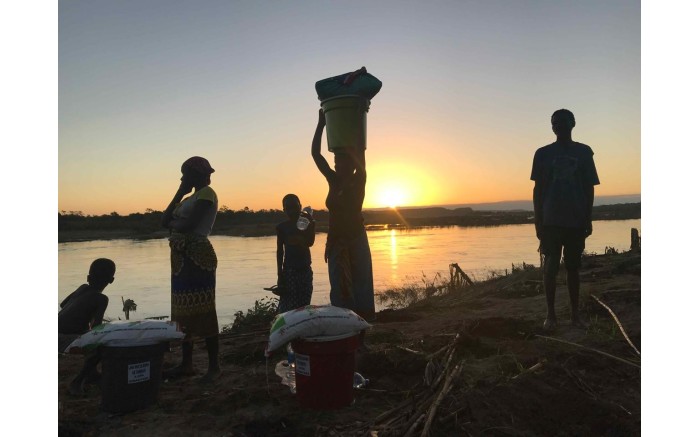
410, 350
388, 413
444, 372
590, 349
400, 416
531, 369
415, 425
619, 325
417, 416
437, 352
449, 353
444, 348
445, 389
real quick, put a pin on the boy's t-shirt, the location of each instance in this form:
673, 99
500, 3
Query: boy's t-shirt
296, 256
564, 171
79, 309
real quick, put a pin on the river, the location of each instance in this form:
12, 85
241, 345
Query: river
247, 264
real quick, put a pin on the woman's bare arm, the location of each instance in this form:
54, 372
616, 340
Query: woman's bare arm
182, 191
320, 161
188, 224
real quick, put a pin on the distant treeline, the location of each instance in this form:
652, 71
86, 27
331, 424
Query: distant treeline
74, 225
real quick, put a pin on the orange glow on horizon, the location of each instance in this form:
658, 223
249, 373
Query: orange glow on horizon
393, 196
394, 185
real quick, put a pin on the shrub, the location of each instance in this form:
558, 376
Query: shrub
262, 314
412, 293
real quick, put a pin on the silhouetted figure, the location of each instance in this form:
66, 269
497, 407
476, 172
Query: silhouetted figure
81, 311
193, 265
294, 274
347, 249
635, 243
564, 175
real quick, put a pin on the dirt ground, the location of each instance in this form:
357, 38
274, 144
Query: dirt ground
509, 379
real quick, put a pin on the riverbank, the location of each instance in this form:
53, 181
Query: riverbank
74, 228
513, 379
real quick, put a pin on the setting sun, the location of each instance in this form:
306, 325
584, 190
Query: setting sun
398, 184
393, 196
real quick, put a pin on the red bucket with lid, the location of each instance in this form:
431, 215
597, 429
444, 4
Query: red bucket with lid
324, 371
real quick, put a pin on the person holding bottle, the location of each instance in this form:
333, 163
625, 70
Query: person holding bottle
347, 248
294, 238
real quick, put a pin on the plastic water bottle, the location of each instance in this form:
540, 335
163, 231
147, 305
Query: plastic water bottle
290, 355
286, 373
359, 381
304, 218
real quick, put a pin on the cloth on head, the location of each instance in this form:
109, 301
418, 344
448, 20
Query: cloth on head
199, 164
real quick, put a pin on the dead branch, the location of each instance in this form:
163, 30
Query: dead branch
417, 416
458, 278
444, 370
399, 407
581, 384
619, 325
445, 389
410, 350
437, 352
405, 418
415, 425
590, 349
531, 369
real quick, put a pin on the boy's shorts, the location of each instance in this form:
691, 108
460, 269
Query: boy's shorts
554, 238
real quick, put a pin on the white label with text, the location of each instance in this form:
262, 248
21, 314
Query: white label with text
303, 364
139, 372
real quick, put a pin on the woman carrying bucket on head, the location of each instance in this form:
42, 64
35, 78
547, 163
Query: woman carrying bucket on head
347, 249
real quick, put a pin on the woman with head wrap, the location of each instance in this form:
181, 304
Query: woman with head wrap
193, 265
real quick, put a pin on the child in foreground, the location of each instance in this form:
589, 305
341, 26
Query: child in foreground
81, 311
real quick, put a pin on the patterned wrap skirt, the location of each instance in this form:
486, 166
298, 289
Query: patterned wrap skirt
350, 274
299, 285
192, 285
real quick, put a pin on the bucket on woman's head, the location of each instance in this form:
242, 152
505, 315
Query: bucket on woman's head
131, 376
325, 367
346, 122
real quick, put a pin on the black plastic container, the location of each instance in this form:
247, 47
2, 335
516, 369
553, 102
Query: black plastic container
131, 376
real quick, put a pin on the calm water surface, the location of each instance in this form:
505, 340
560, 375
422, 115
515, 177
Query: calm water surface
247, 264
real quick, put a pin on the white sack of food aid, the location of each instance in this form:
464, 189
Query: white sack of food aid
313, 321
124, 334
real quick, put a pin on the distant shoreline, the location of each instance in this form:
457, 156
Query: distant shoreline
374, 220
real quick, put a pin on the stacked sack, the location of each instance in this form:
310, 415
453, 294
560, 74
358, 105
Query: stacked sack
313, 321
126, 334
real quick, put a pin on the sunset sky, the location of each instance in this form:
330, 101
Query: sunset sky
468, 90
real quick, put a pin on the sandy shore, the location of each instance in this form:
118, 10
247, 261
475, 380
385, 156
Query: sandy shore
509, 374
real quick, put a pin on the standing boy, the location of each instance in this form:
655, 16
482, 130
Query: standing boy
294, 274
564, 175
